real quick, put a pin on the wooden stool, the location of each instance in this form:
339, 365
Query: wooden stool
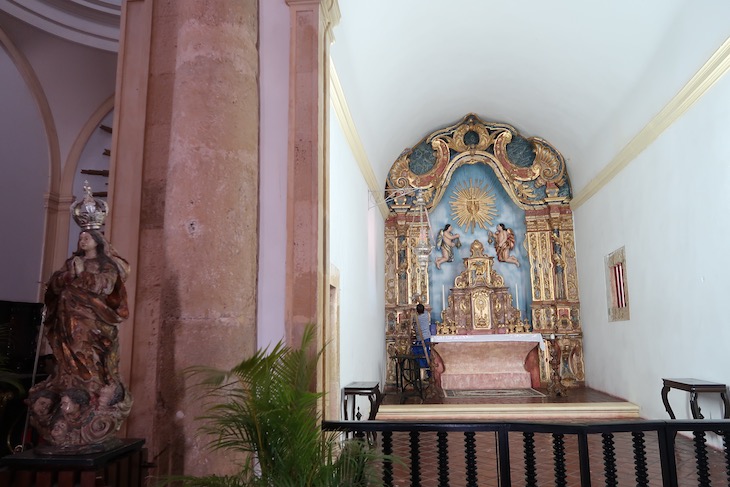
408, 375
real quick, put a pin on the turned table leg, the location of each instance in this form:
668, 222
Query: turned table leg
665, 400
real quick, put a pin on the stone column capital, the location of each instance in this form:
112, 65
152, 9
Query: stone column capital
329, 9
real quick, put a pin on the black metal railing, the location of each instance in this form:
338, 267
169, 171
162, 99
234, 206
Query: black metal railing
641, 453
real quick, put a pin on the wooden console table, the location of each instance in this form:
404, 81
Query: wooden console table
694, 387
369, 389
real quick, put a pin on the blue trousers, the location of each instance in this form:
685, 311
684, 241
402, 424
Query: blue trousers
418, 351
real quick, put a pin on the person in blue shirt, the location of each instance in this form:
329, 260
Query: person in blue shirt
423, 336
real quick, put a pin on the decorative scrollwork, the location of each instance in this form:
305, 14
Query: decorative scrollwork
536, 163
497, 279
548, 165
400, 170
99, 428
523, 191
483, 141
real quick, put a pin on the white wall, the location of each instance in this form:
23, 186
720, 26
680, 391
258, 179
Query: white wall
669, 208
22, 165
685, 48
76, 79
356, 249
273, 153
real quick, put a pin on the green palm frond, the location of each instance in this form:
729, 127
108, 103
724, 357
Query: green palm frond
264, 412
7, 376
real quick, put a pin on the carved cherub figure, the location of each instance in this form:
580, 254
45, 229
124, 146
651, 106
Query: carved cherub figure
504, 242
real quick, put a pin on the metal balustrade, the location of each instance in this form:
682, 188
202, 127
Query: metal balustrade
641, 453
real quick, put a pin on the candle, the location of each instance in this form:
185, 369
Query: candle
443, 296
517, 296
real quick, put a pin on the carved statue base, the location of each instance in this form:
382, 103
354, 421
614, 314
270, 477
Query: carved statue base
51, 450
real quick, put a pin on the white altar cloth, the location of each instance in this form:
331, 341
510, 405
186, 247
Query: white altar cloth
506, 337
495, 361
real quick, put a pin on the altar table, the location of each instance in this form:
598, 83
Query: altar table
486, 361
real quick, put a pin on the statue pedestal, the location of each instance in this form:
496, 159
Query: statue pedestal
486, 361
125, 465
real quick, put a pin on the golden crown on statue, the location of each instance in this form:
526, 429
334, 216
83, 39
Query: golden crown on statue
89, 213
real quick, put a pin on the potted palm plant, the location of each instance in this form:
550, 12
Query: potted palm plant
264, 410
9, 384
7, 377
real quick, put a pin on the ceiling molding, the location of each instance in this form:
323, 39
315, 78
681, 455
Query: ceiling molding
93, 23
337, 96
701, 82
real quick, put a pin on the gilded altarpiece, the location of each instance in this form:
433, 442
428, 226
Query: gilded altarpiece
483, 178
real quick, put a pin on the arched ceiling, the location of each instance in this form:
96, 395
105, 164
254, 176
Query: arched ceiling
94, 23
584, 75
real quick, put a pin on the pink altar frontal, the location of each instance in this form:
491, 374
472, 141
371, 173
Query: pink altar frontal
487, 361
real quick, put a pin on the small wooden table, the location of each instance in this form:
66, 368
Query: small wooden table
694, 387
369, 389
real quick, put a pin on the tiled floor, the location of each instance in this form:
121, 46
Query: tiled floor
545, 466
487, 464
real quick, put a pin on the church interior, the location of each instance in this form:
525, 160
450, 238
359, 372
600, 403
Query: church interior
530, 172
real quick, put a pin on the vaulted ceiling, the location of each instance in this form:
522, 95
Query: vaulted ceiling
94, 23
586, 76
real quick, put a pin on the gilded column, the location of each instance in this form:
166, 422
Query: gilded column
553, 274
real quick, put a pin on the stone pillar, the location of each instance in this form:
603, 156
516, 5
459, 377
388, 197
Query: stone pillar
198, 212
58, 219
307, 286
123, 223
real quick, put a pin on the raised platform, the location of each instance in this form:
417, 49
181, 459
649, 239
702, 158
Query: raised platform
491, 412
579, 404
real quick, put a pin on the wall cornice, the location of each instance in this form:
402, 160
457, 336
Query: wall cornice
329, 10
353, 139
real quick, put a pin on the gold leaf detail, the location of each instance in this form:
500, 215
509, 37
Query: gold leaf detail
473, 204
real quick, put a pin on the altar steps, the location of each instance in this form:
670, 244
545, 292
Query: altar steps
512, 412
579, 404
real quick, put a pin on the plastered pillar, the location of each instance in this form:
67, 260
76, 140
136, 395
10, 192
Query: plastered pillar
307, 283
198, 210
125, 189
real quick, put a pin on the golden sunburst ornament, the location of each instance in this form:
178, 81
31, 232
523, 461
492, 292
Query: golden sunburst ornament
473, 204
